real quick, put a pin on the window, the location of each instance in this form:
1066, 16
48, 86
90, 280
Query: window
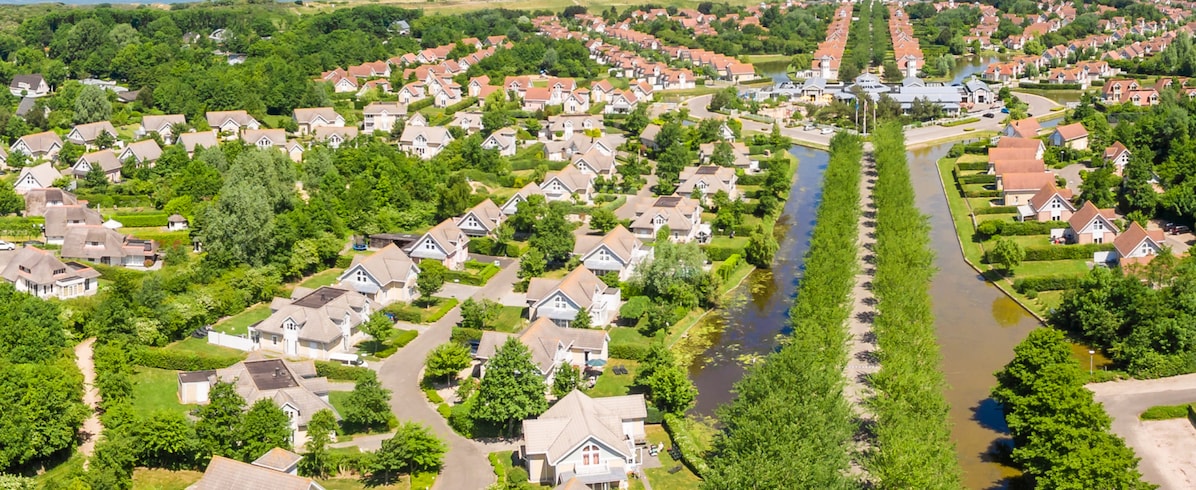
559, 303
274, 339
428, 245
603, 254
1098, 240
590, 455
360, 276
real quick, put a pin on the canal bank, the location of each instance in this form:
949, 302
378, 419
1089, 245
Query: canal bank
755, 316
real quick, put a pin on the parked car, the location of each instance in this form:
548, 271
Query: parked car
989, 114
7, 246
809, 127
1179, 229
1004, 110
828, 130
1168, 227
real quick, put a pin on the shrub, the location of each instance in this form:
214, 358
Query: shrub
1060, 252
1165, 412
997, 210
403, 338
1046, 283
728, 266
635, 307
433, 396
978, 179
419, 105
634, 352
685, 442
341, 372
161, 358
972, 166
466, 335
466, 102
1016, 228
983, 193
716, 253
141, 220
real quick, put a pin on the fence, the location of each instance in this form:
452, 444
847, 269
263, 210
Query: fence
231, 341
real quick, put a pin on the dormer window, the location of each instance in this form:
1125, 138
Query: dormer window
590, 455
360, 276
559, 303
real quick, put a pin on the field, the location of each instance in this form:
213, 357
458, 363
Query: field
159, 479
239, 324
156, 389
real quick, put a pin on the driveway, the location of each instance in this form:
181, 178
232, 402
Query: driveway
1167, 448
1072, 174
465, 465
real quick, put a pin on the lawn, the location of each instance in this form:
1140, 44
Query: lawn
160, 235
160, 479
203, 348
727, 242
1165, 412
627, 335
1051, 268
660, 478
611, 384
156, 389
326, 278
397, 339
417, 313
421, 481
510, 319
239, 324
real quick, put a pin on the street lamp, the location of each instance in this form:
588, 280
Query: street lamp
1091, 353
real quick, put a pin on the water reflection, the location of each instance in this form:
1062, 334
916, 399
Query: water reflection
1007, 312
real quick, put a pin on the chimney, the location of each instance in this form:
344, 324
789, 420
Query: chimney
275, 372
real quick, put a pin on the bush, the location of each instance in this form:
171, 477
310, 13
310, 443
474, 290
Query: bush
466, 335
972, 166
1016, 228
716, 253
420, 105
161, 358
1165, 412
983, 193
343, 261
433, 396
961, 122
141, 220
683, 439
466, 102
978, 179
997, 210
1046, 283
728, 266
1060, 252
341, 372
461, 418
634, 352
403, 338
635, 307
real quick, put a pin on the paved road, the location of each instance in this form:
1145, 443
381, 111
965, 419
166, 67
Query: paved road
466, 465
1126, 400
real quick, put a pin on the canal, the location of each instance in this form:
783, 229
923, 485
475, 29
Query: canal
756, 314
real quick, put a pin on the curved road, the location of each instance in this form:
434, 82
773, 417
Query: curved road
465, 465
1039, 105
1125, 400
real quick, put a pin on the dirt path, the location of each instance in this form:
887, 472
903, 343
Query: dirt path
91, 429
862, 361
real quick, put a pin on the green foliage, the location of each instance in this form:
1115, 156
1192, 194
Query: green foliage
479, 314
532, 264
676, 276
994, 227
220, 420
178, 360
791, 406
911, 413
412, 449
320, 429
1057, 252
1008, 253
141, 220
762, 245
686, 442
43, 409
635, 307
92, 105
447, 360
1061, 434
340, 372
512, 388
30, 328
264, 427
430, 280
603, 220
1046, 283
1166, 412
567, 379
166, 439
368, 405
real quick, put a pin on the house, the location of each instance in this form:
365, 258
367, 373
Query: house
163, 125
564, 127
557, 151
1017, 188
37, 201
621, 102
551, 346
334, 136
569, 183
504, 140
194, 141
471, 122
708, 180
86, 134
387, 276
417, 120
618, 252
1022, 143
1007, 154
561, 300
481, 220
1072, 136
594, 163
293, 386
38, 272
231, 122
740, 154
978, 92
61, 218
309, 119
313, 324
223, 473
1118, 155
38, 177
682, 215
1022, 128
1049, 204
176, 222
105, 160
1003, 167
648, 136
1091, 225
265, 138
1137, 245
99, 244
445, 243
590, 442
28, 86
512, 204
144, 152
381, 116
424, 141
38, 145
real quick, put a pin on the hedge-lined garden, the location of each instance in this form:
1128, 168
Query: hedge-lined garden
913, 447
789, 425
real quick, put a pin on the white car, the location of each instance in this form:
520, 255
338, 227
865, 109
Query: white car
7, 246
828, 130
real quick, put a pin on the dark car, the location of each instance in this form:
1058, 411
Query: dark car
1168, 227
1180, 229
989, 114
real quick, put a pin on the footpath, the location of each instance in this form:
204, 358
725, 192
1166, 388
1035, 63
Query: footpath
91, 397
862, 361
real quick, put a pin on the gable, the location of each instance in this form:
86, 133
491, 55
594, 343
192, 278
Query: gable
605, 451
1091, 225
351, 274
557, 293
429, 243
594, 253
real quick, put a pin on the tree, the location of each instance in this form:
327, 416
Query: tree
412, 449
512, 388
724, 154
479, 314
553, 235
227, 239
368, 405
761, 247
603, 220
379, 327
447, 360
567, 379
30, 329
670, 389
1008, 253
582, 320
264, 427
320, 429
96, 179
92, 105
430, 280
532, 264
637, 120
166, 439
42, 407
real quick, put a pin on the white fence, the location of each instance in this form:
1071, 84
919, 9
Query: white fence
231, 341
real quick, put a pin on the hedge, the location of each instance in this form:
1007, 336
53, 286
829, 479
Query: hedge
634, 352
1016, 228
1060, 252
341, 372
465, 335
718, 254
685, 442
141, 220
960, 122
984, 193
162, 358
997, 210
420, 104
1049, 86
404, 337
978, 179
728, 266
972, 166
452, 109
1046, 283
446, 305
